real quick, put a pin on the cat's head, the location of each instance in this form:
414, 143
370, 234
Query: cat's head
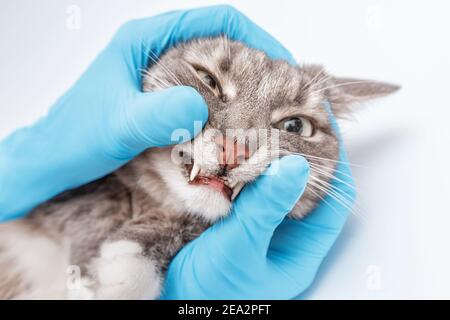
259, 109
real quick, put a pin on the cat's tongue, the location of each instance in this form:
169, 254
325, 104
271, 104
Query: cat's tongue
214, 183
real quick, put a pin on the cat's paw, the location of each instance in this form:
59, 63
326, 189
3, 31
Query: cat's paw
122, 272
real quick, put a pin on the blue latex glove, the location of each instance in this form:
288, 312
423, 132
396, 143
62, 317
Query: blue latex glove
105, 120
257, 253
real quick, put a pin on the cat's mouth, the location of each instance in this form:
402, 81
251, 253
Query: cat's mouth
229, 191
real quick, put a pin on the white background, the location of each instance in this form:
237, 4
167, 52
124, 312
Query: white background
399, 248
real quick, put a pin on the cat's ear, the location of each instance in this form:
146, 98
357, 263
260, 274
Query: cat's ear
346, 92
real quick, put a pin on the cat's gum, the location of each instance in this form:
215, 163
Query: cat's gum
214, 183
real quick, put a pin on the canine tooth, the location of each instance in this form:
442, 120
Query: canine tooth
194, 172
237, 189
232, 185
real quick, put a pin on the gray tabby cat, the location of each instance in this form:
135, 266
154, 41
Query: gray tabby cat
119, 233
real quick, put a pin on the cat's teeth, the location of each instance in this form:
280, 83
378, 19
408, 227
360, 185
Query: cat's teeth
194, 172
231, 185
237, 189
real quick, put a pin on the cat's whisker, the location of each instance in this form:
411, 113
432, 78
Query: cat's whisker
332, 194
322, 81
340, 196
332, 173
328, 192
331, 176
156, 62
319, 74
324, 190
155, 59
342, 84
310, 187
164, 67
330, 185
324, 168
313, 79
351, 201
162, 84
327, 159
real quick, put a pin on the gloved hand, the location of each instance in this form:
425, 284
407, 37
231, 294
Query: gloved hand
257, 253
105, 120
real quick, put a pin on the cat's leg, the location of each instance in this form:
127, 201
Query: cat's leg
132, 262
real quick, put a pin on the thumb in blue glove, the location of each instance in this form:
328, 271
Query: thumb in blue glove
231, 259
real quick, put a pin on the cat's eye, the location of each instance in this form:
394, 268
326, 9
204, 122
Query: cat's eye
208, 79
299, 125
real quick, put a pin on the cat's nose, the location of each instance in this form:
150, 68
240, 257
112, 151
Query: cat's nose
231, 153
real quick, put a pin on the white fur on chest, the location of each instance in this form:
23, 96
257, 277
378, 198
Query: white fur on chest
40, 261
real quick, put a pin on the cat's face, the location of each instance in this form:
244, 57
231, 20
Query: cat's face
259, 110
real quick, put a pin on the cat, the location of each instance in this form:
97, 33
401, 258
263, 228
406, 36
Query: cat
118, 234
